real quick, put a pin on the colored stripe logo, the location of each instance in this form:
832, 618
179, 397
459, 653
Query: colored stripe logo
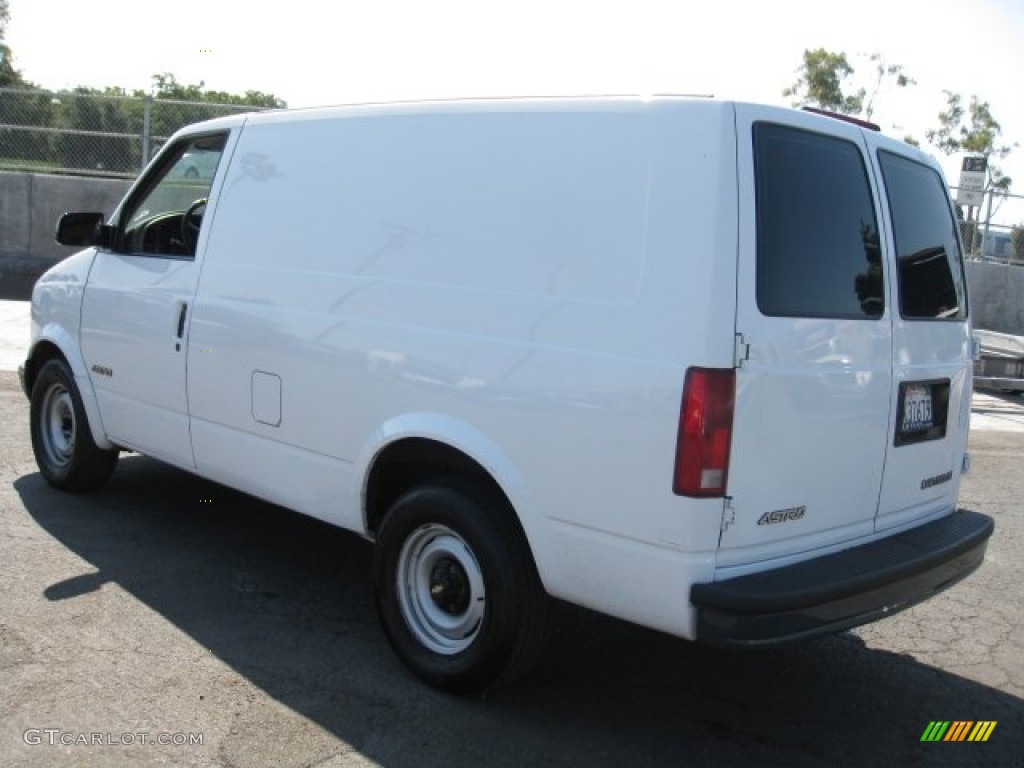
959, 730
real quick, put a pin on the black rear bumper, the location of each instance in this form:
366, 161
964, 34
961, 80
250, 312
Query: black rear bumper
844, 589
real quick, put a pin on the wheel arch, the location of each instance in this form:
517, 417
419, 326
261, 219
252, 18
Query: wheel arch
420, 447
401, 464
54, 342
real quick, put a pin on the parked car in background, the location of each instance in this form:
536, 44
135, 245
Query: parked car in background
198, 164
1001, 362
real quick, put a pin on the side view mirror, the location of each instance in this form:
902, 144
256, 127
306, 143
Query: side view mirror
83, 229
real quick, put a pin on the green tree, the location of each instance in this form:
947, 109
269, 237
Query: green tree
24, 108
884, 73
820, 82
9, 76
973, 131
827, 80
166, 86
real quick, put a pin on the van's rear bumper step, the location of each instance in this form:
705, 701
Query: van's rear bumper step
844, 589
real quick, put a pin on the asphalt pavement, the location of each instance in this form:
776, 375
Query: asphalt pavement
169, 621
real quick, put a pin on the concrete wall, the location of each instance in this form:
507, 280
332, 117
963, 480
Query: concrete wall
30, 204
997, 296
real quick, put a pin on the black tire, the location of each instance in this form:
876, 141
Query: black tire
66, 454
457, 589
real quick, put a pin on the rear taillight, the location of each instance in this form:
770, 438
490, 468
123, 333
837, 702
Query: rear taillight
705, 432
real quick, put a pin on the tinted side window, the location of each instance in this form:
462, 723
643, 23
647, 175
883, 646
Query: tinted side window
818, 252
930, 268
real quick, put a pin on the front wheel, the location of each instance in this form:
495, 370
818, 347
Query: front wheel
61, 441
457, 590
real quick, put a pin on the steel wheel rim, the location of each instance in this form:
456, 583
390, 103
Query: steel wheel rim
440, 589
58, 426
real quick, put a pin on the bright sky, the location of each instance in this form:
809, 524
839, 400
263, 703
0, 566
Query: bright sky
312, 52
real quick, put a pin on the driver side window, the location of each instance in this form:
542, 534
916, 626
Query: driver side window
165, 217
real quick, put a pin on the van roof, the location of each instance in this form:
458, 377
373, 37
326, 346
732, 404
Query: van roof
589, 103
452, 105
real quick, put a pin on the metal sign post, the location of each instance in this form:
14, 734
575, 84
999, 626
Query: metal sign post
971, 191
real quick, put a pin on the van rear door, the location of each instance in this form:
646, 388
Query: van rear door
814, 329
931, 340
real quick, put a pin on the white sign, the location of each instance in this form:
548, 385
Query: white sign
971, 189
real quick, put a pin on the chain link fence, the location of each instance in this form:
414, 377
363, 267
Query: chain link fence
993, 231
997, 243
91, 134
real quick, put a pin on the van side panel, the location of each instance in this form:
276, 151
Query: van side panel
537, 275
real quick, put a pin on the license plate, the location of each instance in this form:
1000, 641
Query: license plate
922, 411
917, 409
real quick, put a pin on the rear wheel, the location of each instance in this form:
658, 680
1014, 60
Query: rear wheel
67, 456
457, 591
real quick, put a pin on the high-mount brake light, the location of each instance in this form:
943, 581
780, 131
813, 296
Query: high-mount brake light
705, 433
845, 118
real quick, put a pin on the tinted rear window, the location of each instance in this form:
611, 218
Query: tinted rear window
818, 252
927, 250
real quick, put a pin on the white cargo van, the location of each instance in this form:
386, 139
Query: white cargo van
703, 366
